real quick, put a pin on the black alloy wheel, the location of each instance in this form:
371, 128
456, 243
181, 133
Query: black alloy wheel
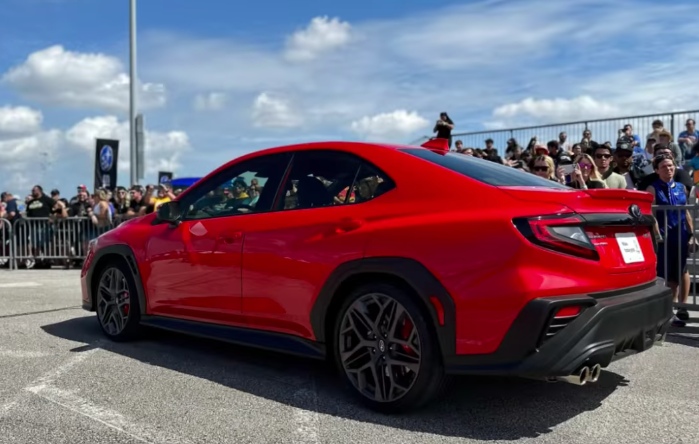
386, 349
117, 303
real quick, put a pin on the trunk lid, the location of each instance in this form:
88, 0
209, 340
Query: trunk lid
619, 223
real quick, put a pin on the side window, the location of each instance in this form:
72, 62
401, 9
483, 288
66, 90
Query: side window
369, 184
247, 187
325, 178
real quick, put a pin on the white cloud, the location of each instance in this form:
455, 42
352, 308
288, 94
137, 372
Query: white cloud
163, 151
35, 153
537, 111
429, 62
19, 121
320, 36
55, 76
213, 101
394, 126
269, 111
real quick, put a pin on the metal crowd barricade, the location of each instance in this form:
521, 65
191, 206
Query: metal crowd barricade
603, 130
6, 244
671, 257
52, 239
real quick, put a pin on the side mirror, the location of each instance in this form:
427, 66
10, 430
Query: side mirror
170, 212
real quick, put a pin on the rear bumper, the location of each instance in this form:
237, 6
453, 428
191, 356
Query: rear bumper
614, 325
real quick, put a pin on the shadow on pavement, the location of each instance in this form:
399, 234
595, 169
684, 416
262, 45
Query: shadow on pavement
484, 408
688, 335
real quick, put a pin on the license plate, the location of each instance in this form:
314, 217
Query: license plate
630, 248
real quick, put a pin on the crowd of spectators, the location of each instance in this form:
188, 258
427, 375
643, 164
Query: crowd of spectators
627, 164
87, 215
103, 207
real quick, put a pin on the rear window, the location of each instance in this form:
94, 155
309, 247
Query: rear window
484, 170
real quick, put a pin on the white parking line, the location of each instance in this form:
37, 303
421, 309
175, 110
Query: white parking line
19, 284
5, 408
22, 354
46, 379
59, 371
109, 418
306, 417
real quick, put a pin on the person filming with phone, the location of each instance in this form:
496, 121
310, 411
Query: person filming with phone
582, 174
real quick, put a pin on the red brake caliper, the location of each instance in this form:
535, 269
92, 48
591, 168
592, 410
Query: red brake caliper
125, 296
405, 333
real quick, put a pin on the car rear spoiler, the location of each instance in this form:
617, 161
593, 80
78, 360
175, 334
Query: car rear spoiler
437, 145
623, 194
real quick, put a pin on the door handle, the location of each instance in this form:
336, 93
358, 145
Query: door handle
347, 225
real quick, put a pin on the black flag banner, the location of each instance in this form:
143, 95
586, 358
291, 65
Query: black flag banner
106, 158
164, 177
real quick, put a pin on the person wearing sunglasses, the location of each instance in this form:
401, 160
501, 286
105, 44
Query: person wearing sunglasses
543, 166
602, 155
584, 175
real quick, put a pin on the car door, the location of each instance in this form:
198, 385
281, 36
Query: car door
196, 264
318, 224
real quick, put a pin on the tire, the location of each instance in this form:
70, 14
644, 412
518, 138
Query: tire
413, 385
127, 327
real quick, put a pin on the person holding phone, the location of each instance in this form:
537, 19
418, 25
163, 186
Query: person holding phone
583, 174
443, 127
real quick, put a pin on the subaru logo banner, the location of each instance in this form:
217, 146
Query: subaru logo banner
164, 177
106, 159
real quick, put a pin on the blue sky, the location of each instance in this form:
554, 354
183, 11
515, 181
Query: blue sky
222, 78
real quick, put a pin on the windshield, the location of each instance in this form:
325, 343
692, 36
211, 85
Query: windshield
485, 171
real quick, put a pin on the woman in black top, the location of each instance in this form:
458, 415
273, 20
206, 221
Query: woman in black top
443, 127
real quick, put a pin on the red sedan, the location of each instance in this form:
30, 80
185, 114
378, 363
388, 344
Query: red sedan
399, 264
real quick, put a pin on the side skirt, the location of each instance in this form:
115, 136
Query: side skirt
272, 341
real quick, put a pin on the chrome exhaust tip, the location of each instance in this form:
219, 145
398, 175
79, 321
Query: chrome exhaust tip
579, 378
595, 373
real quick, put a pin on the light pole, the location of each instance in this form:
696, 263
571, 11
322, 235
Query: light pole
132, 92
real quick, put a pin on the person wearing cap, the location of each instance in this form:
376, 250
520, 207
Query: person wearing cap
540, 150
623, 157
60, 206
80, 190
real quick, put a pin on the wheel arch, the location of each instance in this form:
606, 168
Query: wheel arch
111, 253
407, 273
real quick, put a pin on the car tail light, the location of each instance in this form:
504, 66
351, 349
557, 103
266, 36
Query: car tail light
560, 233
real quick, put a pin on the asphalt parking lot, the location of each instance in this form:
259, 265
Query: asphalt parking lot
61, 382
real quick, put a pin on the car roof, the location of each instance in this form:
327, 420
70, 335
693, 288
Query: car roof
351, 147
